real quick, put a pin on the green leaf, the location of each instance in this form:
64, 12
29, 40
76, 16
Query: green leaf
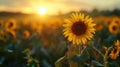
33, 64
97, 64
61, 62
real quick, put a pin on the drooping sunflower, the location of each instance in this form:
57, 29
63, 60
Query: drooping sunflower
79, 28
116, 50
117, 45
11, 24
114, 53
113, 28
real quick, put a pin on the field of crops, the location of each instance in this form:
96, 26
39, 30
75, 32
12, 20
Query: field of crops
47, 41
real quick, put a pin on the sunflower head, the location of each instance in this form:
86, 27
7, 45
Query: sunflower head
116, 20
99, 27
79, 28
11, 24
117, 45
107, 21
114, 28
114, 53
26, 34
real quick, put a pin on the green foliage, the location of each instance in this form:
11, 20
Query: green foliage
62, 62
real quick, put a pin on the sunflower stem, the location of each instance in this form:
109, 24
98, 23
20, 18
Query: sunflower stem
98, 51
81, 49
79, 52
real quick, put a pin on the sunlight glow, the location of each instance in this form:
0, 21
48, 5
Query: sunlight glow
42, 11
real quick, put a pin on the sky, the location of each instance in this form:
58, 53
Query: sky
56, 6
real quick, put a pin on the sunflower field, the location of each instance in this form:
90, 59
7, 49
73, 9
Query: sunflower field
76, 39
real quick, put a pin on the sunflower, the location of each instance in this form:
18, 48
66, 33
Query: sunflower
117, 45
116, 20
107, 21
99, 27
10, 24
26, 34
114, 53
114, 28
78, 28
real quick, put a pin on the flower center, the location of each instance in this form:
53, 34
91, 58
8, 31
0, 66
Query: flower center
115, 50
10, 25
79, 28
114, 28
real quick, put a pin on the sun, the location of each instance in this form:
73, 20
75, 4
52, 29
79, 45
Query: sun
42, 11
